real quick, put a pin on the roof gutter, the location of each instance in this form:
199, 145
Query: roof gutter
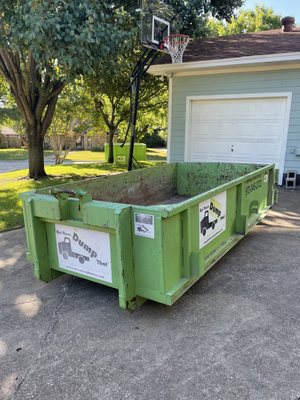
195, 67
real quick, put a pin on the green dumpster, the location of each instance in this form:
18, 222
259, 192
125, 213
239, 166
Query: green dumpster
121, 152
150, 233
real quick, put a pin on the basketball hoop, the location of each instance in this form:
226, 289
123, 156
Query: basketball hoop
176, 44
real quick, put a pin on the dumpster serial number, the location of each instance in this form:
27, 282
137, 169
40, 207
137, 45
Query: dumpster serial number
253, 186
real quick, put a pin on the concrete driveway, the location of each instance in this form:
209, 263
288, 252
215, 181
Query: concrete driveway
234, 336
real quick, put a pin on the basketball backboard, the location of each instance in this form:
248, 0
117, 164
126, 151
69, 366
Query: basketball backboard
156, 23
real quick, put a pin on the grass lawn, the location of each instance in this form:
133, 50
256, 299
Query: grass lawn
96, 156
18, 154
13, 183
84, 155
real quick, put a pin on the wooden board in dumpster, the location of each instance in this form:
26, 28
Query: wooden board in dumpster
149, 233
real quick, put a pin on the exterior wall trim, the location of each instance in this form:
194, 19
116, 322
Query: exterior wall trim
282, 58
287, 95
170, 105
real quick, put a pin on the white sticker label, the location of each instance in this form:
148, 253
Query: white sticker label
84, 251
266, 178
144, 225
212, 218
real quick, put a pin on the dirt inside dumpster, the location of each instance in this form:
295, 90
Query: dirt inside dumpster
163, 184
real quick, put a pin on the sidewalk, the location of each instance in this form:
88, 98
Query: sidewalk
8, 166
235, 335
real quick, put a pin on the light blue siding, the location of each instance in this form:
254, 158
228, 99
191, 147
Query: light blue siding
236, 83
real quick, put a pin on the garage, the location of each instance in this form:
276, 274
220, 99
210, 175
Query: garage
236, 99
238, 129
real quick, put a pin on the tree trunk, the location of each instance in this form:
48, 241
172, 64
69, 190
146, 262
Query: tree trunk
36, 154
111, 147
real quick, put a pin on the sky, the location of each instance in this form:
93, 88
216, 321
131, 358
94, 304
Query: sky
282, 7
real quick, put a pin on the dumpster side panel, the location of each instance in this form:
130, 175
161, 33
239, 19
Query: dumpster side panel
255, 196
37, 241
174, 268
94, 243
199, 250
196, 178
148, 253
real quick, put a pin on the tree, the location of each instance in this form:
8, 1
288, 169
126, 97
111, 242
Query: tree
192, 15
69, 122
43, 44
109, 85
259, 19
111, 99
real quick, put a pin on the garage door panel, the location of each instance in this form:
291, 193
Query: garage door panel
218, 109
273, 109
224, 130
237, 130
204, 148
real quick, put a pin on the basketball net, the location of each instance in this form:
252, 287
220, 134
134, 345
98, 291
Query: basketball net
176, 44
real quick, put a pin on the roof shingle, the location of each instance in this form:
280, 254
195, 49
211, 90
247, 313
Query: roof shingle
244, 45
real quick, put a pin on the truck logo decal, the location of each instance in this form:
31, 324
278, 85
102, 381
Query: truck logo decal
212, 218
84, 245
84, 251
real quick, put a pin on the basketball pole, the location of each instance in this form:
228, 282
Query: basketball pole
140, 69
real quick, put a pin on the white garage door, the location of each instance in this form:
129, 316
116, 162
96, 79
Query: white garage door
245, 130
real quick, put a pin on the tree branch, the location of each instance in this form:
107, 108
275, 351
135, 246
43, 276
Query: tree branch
46, 122
17, 85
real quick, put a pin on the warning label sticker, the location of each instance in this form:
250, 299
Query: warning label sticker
212, 218
144, 225
84, 251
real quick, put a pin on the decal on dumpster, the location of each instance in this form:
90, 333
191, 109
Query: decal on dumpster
212, 218
84, 251
144, 225
253, 185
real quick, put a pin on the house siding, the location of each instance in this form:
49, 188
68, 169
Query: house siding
236, 83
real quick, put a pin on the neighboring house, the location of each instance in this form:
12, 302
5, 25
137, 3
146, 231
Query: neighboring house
9, 138
95, 141
83, 142
236, 99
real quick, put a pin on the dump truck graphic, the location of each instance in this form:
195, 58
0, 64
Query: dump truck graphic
66, 250
207, 224
142, 228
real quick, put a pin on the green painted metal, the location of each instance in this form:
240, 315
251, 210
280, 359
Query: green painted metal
167, 225
121, 153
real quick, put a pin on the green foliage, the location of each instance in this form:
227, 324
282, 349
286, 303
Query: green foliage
65, 37
110, 96
154, 140
70, 121
192, 14
43, 45
259, 19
